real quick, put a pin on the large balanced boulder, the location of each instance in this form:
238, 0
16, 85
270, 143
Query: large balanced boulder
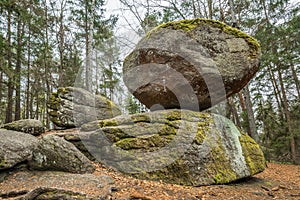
15, 148
56, 154
190, 64
70, 107
31, 126
175, 146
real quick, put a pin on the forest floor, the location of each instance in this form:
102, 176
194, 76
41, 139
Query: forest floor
278, 181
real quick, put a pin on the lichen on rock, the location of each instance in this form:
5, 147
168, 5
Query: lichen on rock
30, 126
190, 64
70, 107
175, 146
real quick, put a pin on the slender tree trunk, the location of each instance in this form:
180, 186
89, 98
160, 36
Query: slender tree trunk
250, 114
210, 8
61, 45
10, 89
18, 71
234, 112
276, 92
242, 101
199, 9
89, 27
1, 83
47, 70
194, 9
245, 112
233, 14
1, 89
27, 112
37, 105
28, 85
296, 79
288, 116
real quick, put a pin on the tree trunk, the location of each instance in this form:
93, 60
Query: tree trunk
194, 9
10, 89
251, 120
234, 112
277, 93
89, 27
244, 110
232, 12
47, 70
27, 110
61, 45
18, 70
210, 8
288, 117
296, 79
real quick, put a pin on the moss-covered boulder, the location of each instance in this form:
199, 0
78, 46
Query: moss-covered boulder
31, 126
56, 154
15, 148
175, 146
190, 64
70, 107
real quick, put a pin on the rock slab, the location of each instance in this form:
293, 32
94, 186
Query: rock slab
175, 146
56, 154
70, 107
190, 64
31, 126
15, 148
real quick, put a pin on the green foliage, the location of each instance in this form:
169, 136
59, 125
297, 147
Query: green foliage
131, 105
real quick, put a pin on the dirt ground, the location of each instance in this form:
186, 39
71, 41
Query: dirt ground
278, 181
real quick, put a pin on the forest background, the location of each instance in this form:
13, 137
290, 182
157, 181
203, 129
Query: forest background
46, 44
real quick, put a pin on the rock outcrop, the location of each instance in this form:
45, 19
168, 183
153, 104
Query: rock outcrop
190, 64
56, 154
31, 126
15, 148
70, 107
176, 146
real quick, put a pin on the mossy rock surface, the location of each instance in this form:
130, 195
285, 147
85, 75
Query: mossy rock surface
55, 153
31, 126
190, 64
175, 146
71, 107
15, 148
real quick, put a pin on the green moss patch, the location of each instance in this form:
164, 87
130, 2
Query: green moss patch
177, 173
220, 168
108, 122
144, 143
140, 118
191, 24
253, 154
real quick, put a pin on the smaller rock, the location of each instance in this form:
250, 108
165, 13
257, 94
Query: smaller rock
31, 126
55, 153
15, 148
70, 107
